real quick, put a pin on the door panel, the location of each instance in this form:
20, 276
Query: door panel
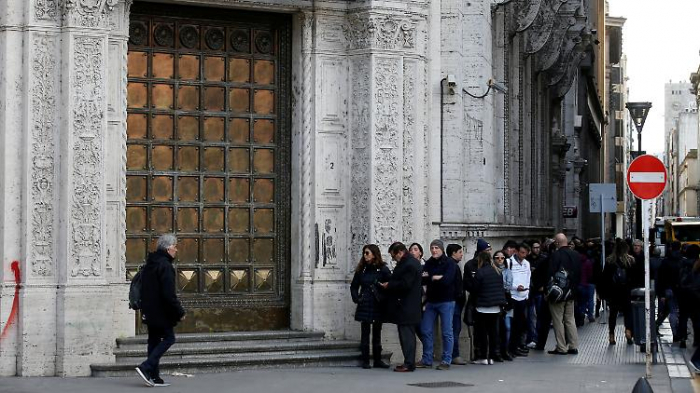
207, 158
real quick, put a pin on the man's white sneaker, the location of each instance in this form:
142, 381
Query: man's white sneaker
145, 376
532, 345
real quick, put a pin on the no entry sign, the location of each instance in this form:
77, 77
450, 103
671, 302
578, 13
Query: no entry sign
646, 177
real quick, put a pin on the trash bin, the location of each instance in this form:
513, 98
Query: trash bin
638, 320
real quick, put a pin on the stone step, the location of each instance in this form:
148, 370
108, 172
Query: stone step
210, 364
233, 348
229, 336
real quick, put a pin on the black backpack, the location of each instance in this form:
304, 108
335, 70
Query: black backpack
135, 290
619, 275
559, 287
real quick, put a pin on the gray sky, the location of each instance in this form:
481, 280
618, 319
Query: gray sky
661, 40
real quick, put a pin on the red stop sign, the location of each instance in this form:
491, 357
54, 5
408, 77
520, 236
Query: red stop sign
646, 177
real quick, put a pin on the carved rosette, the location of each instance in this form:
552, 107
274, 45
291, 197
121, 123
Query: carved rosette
43, 103
387, 145
46, 10
88, 100
87, 13
363, 31
360, 192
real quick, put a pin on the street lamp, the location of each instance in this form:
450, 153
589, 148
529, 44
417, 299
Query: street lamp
639, 112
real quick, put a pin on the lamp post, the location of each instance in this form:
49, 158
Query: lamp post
638, 112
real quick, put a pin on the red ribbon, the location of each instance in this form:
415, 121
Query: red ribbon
15, 302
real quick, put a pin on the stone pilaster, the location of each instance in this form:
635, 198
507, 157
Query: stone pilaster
91, 198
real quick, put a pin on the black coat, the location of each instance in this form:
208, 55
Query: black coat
442, 290
159, 303
570, 261
488, 287
367, 294
617, 294
460, 296
669, 272
404, 292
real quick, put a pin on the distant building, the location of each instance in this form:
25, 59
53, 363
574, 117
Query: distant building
617, 138
678, 98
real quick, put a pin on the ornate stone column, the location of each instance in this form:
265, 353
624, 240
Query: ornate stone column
92, 183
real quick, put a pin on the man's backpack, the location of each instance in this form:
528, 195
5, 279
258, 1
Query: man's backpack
559, 287
135, 290
619, 275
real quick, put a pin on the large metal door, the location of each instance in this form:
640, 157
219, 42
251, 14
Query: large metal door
208, 159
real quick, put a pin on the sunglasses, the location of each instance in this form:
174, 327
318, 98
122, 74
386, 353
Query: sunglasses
368, 253
500, 258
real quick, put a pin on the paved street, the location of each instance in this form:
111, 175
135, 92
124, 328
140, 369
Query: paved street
598, 368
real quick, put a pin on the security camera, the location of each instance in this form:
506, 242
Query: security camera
451, 84
498, 86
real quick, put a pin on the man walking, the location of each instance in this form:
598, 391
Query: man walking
562, 312
160, 307
404, 289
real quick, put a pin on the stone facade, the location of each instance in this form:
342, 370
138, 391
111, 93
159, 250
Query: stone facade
381, 150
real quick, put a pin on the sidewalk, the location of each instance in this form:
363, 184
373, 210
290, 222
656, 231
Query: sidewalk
598, 368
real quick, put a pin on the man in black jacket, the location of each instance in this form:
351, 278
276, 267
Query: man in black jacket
404, 289
667, 288
161, 309
455, 253
563, 312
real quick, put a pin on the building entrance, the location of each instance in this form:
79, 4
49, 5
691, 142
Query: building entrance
208, 159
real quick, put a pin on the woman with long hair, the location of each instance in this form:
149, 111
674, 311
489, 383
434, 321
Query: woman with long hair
416, 250
490, 298
499, 261
365, 292
616, 277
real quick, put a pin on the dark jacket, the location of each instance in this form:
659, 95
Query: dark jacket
404, 292
569, 260
460, 297
489, 287
469, 278
637, 271
367, 294
159, 303
669, 272
617, 294
540, 277
442, 290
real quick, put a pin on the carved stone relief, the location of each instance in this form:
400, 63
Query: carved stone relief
387, 140
87, 13
46, 9
360, 160
43, 102
409, 123
364, 31
88, 113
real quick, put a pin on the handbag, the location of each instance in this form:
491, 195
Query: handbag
469, 314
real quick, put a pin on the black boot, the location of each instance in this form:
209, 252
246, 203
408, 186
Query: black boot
364, 357
378, 362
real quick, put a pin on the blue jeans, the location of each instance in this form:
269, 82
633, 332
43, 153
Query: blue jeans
535, 304
456, 329
586, 300
432, 310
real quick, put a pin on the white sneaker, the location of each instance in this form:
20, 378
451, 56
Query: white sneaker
146, 378
532, 345
484, 362
490, 361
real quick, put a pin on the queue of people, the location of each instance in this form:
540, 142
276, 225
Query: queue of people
492, 297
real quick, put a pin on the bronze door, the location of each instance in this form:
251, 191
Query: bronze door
208, 159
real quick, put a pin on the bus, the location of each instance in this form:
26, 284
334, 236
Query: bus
683, 229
